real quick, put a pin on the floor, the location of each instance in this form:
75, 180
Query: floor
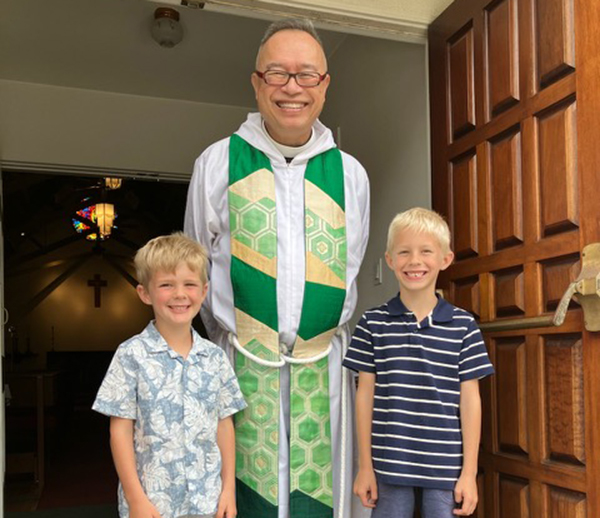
79, 470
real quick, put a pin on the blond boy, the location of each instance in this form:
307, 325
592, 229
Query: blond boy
418, 409
170, 395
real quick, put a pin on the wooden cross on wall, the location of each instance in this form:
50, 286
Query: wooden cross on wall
97, 283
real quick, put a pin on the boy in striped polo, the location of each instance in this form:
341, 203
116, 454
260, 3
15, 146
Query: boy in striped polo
418, 409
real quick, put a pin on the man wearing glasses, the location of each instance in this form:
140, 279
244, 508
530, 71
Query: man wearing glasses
284, 215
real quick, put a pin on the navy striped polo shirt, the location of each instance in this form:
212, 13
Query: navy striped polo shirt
416, 438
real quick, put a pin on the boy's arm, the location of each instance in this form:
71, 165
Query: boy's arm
465, 491
121, 444
365, 485
226, 443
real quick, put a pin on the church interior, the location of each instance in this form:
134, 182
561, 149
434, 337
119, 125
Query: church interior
70, 293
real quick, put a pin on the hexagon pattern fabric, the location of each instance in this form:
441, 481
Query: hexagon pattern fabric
310, 439
253, 226
257, 431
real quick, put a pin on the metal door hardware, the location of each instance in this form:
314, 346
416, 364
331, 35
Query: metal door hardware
516, 324
586, 289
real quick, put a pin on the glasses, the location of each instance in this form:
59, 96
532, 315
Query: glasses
282, 78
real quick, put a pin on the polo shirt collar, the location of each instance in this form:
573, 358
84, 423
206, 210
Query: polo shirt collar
442, 312
155, 343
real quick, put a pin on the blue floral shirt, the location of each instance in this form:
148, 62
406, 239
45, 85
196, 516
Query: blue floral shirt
176, 404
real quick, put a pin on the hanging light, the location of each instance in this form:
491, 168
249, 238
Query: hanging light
105, 217
112, 183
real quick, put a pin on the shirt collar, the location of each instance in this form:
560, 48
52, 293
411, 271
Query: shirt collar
155, 343
199, 347
252, 132
290, 151
442, 312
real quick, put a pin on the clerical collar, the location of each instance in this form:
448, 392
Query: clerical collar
289, 152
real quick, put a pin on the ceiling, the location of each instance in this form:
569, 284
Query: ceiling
38, 212
106, 45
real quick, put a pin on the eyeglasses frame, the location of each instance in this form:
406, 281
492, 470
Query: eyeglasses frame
290, 75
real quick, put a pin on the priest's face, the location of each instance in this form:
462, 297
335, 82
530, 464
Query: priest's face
290, 110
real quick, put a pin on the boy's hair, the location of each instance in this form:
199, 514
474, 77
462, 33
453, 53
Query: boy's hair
165, 253
420, 220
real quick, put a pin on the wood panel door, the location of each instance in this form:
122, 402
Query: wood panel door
515, 117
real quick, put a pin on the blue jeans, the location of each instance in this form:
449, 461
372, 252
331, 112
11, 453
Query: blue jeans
399, 502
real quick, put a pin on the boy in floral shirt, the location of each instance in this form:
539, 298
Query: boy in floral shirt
170, 395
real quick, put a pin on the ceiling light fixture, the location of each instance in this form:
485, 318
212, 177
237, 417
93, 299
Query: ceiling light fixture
112, 183
105, 217
166, 29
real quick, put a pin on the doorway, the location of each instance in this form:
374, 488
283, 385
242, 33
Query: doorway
70, 295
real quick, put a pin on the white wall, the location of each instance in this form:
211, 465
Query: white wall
70, 126
379, 98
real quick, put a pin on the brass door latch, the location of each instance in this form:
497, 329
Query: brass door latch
586, 289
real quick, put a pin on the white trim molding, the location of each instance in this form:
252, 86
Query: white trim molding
401, 20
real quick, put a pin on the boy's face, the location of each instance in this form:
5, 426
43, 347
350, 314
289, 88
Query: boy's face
175, 297
416, 259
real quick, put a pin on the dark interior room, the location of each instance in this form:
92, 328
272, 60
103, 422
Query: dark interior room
70, 294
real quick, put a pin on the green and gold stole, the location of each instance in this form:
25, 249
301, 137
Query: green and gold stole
253, 225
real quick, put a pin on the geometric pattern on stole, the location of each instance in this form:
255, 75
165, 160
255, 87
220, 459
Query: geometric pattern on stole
311, 475
253, 273
253, 229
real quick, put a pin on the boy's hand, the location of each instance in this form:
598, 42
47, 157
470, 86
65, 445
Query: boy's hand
227, 507
143, 509
465, 493
365, 487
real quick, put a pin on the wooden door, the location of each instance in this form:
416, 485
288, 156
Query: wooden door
515, 115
